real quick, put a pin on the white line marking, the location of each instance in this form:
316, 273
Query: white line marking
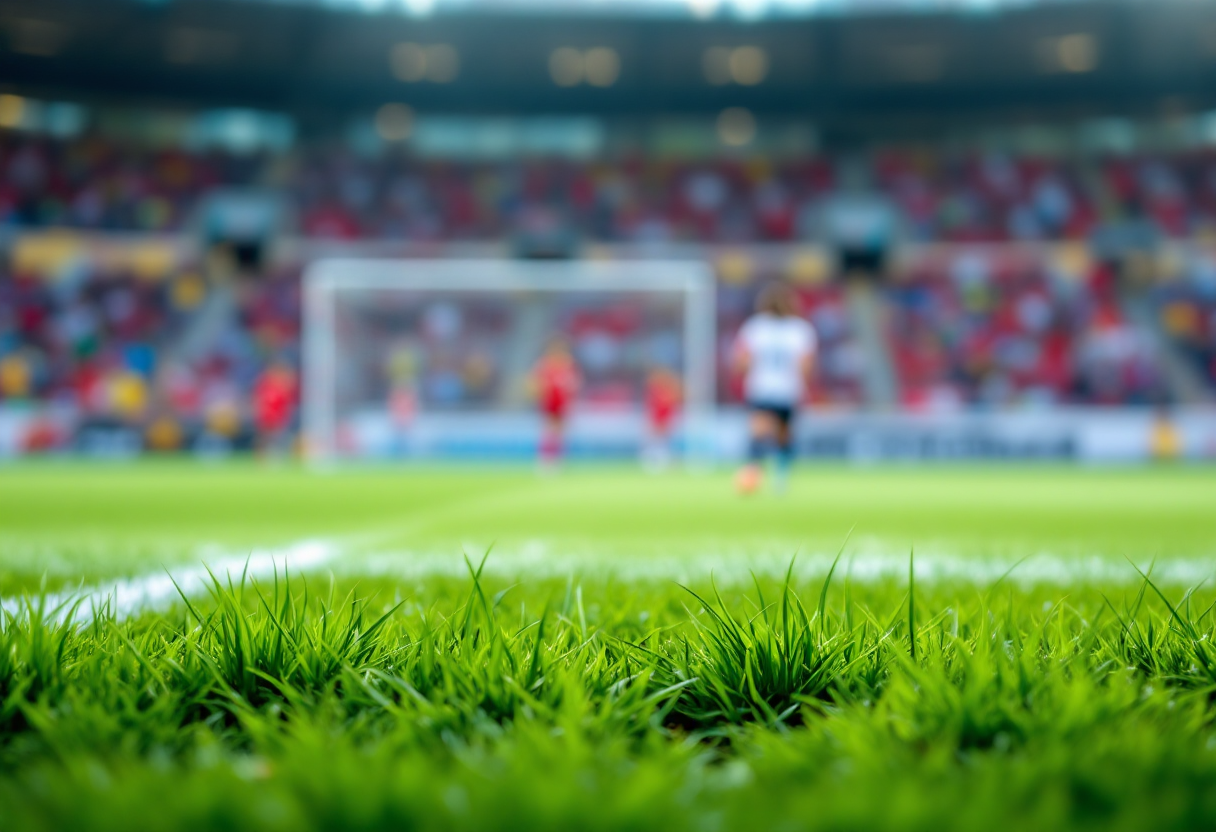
157, 591
538, 560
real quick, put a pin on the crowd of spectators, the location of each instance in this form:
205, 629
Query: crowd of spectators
1187, 310
434, 351
110, 349
476, 351
974, 327
336, 193
195, 357
91, 183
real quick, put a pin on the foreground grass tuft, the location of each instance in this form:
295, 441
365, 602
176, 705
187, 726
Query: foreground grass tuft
311, 705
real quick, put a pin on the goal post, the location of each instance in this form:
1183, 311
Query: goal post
432, 358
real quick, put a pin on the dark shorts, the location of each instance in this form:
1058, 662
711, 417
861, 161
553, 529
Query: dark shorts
783, 413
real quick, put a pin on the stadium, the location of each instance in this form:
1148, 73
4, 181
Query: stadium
656, 414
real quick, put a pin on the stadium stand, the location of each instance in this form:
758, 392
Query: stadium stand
1187, 310
964, 329
978, 327
980, 315
337, 194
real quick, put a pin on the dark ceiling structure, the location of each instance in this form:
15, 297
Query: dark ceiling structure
1085, 59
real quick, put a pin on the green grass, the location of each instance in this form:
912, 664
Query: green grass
67, 521
571, 684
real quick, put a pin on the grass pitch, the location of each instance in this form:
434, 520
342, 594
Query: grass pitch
1020, 673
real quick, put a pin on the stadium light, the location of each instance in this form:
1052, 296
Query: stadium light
566, 67
1074, 53
408, 62
12, 111
1078, 53
394, 122
736, 127
748, 65
415, 62
599, 66
602, 66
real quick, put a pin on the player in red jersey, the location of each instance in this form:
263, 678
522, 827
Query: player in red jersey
274, 405
556, 379
663, 398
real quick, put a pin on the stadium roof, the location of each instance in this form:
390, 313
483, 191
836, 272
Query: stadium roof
746, 9
1086, 59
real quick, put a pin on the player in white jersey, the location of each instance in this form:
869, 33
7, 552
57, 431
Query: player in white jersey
775, 353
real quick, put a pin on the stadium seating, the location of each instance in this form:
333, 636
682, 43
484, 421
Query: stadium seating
966, 324
978, 327
112, 347
1187, 310
965, 327
91, 183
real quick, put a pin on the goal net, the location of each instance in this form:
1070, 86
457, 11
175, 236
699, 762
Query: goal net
435, 358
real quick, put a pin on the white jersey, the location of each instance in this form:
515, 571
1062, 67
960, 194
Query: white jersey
777, 349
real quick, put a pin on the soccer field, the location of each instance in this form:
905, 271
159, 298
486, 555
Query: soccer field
649, 652
64, 521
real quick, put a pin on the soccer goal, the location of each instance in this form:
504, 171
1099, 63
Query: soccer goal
435, 358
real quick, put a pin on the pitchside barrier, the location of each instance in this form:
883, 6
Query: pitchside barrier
1081, 434
1091, 435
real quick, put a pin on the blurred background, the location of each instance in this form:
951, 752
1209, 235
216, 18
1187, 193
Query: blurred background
999, 216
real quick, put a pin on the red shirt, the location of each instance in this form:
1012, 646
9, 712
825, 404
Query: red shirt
274, 399
558, 380
662, 400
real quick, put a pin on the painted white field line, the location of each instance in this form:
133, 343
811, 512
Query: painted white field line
541, 560
160, 589
538, 560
